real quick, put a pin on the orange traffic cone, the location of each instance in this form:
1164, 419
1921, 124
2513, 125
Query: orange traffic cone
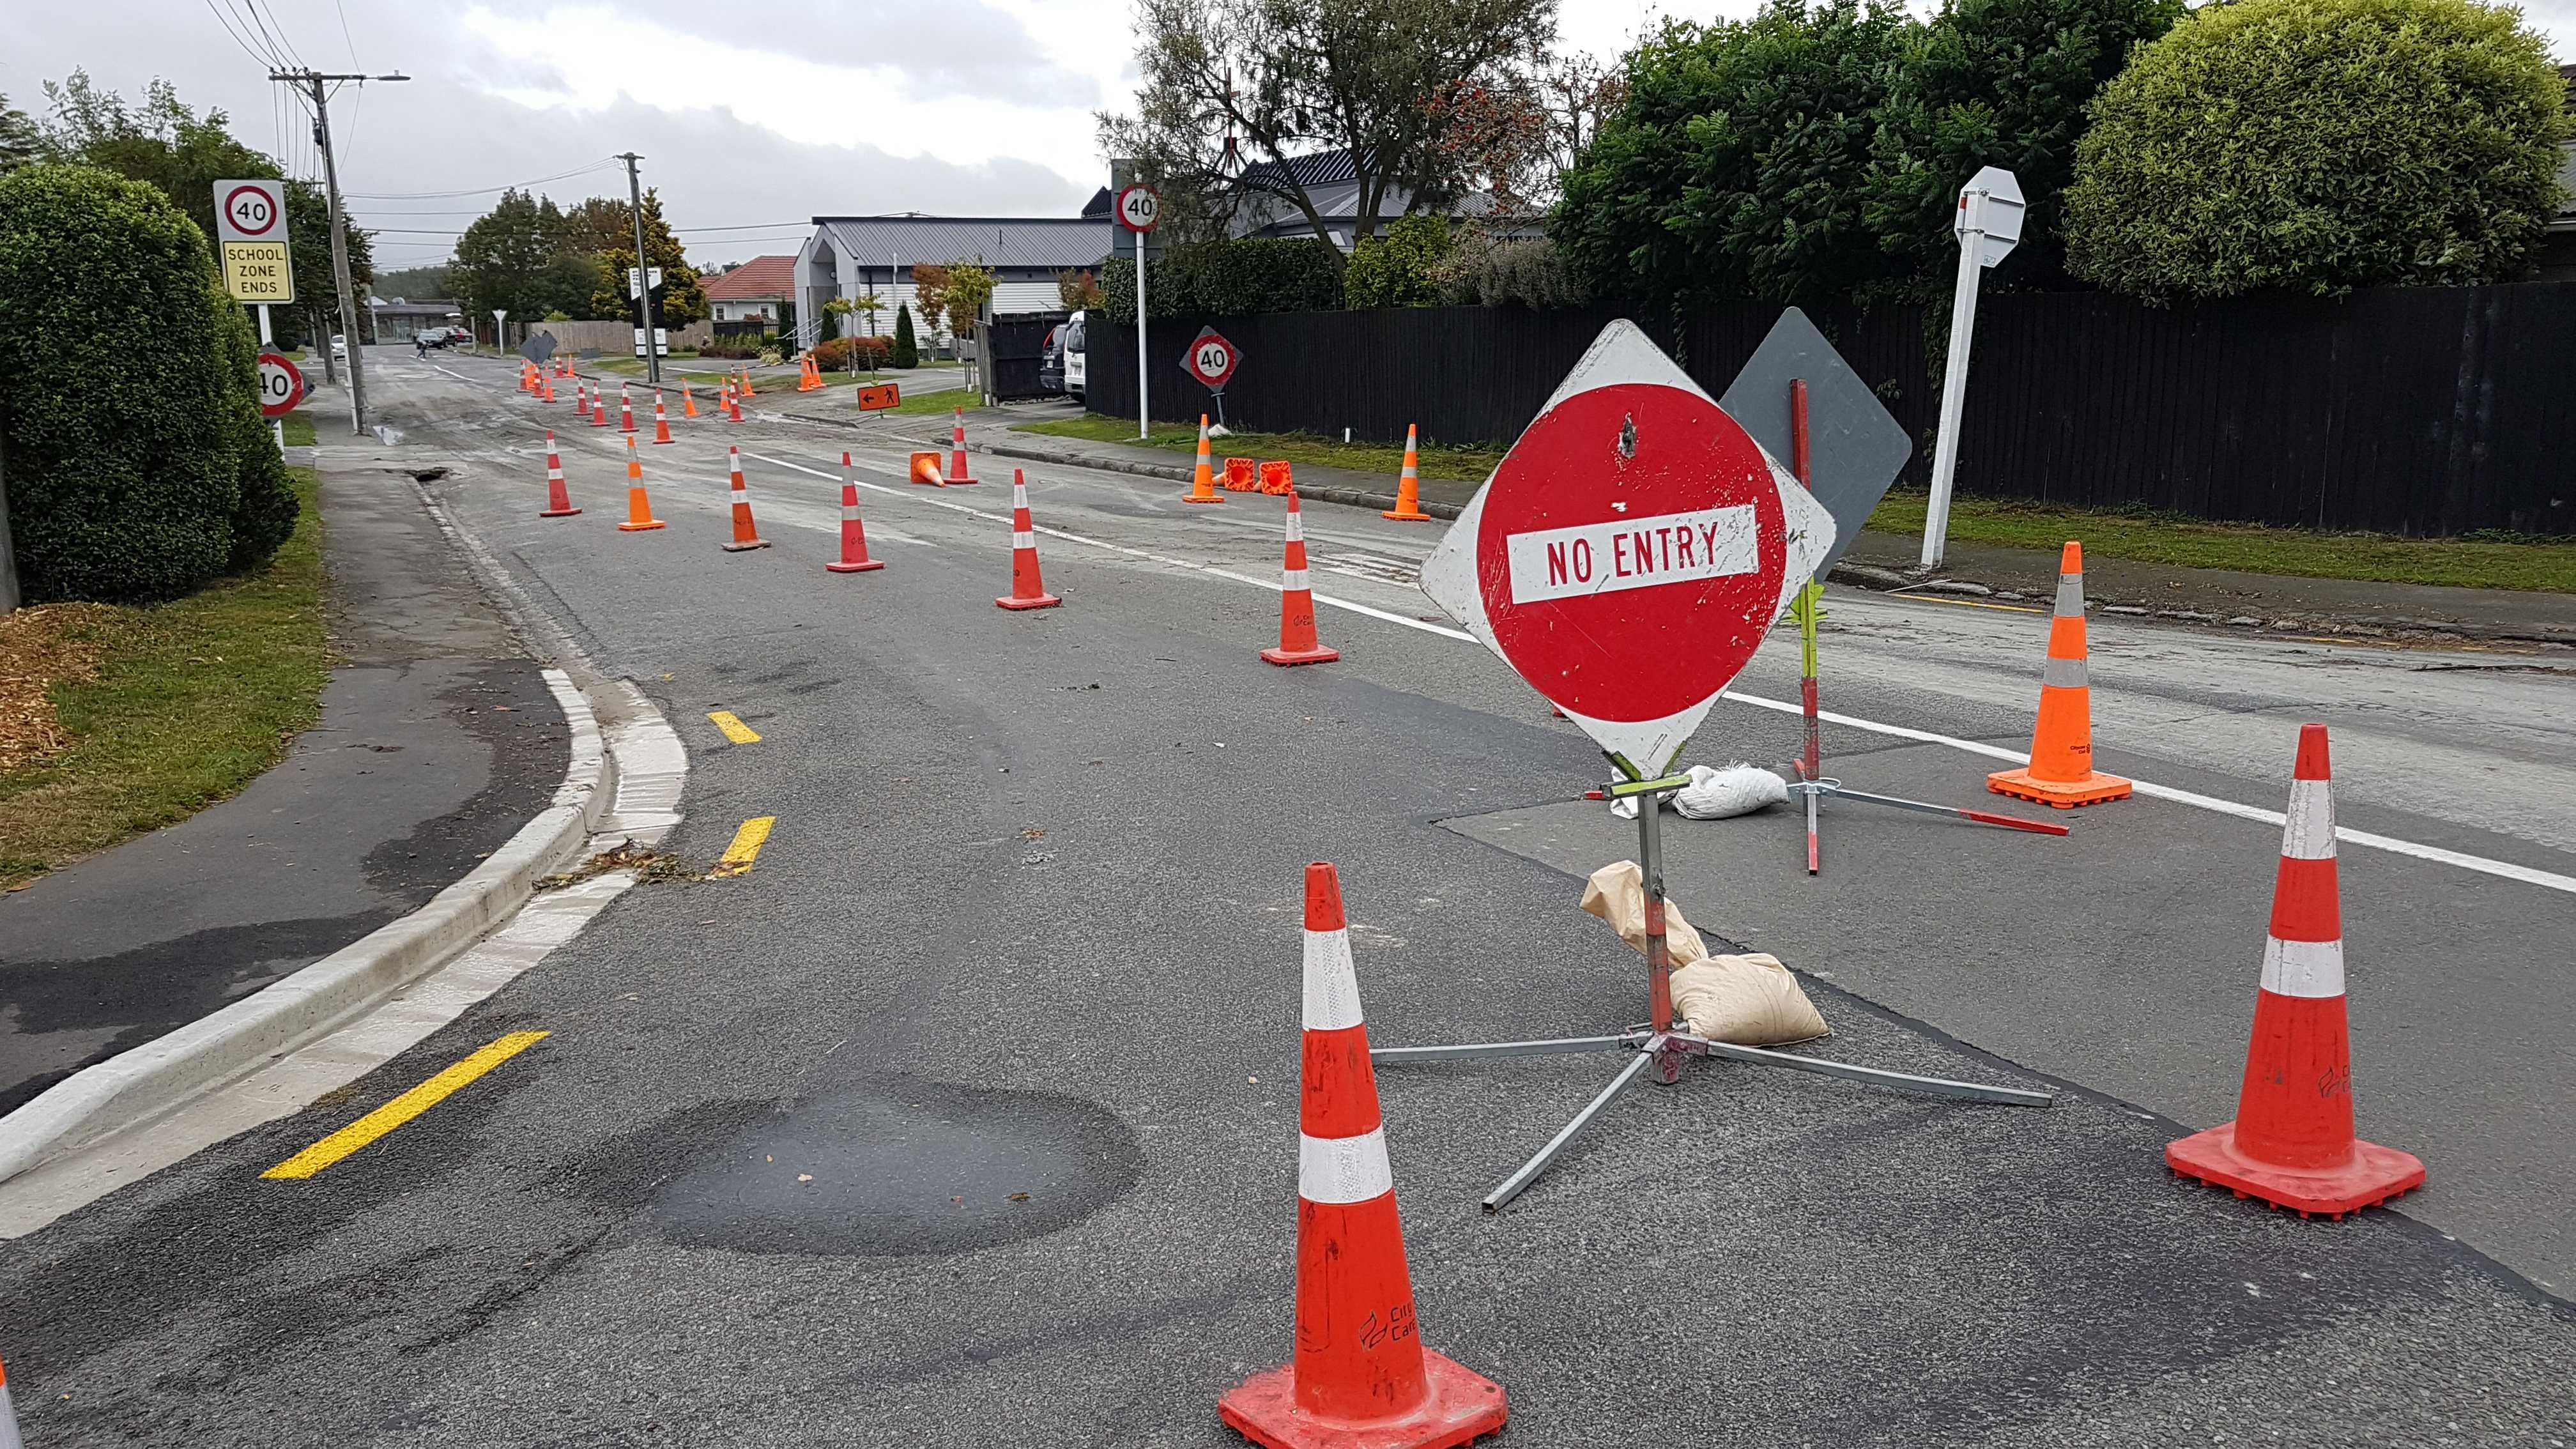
8, 1413
688, 401
1027, 590
747, 389
1358, 1376
625, 408
745, 537
2291, 1144
2061, 770
925, 468
581, 397
1297, 642
547, 391
599, 407
807, 379
854, 539
639, 508
957, 475
1237, 476
558, 503
1202, 482
1408, 485
661, 420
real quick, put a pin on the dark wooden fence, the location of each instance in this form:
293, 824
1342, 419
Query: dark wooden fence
1013, 345
2429, 411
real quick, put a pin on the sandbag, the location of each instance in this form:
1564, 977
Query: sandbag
1715, 794
1749, 1000
1617, 894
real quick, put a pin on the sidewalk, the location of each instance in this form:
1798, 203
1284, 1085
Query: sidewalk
437, 741
2277, 603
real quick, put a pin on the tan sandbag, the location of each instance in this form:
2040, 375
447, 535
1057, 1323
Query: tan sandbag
1617, 894
1749, 1000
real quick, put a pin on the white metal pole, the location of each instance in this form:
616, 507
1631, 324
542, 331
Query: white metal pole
1144, 415
1954, 392
276, 426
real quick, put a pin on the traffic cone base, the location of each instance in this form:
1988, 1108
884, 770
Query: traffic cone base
639, 513
1317, 655
2091, 790
557, 512
2373, 1175
855, 568
1042, 601
745, 545
1462, 1406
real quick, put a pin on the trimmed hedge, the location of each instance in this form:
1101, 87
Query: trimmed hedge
850, 354
2317, 146
139, 467
1230, 279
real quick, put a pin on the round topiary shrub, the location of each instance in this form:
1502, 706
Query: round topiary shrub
2319, 146
138, 465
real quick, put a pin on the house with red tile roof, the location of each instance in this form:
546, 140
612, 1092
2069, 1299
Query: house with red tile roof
759, 288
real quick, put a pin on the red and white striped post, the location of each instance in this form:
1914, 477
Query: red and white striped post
1028, 591
2292, 1142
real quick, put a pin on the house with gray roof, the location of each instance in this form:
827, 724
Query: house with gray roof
853, 256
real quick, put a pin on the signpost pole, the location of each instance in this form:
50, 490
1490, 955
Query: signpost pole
1988, 227
1144, 415
276, 426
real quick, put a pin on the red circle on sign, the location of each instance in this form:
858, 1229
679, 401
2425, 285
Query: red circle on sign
1631, 552
237, 194
1211, 358
281, 385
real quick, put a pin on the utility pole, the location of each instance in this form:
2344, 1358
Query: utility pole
643, 270
313, 81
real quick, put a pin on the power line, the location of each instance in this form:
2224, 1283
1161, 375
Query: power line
601, 164
226, 23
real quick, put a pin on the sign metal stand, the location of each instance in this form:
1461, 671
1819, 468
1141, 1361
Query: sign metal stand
1550, 565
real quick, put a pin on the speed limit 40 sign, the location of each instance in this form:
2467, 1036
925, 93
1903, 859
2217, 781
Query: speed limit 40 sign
250, 230
1139, 207
1211, 359
281, 385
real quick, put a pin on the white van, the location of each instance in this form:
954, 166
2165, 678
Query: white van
1070, 338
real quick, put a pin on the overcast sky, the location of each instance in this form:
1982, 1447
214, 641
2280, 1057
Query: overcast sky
751, 118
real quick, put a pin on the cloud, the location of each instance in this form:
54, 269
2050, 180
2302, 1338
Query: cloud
936, 50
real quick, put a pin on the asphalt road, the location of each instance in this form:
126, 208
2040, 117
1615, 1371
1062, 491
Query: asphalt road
1028, 924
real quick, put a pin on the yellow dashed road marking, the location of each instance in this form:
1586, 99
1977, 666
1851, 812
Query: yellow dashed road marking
733, 727
402, 1109
745, 848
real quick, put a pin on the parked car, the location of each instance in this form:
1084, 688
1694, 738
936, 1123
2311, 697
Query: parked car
1070, 339
1051, 359
339, 345
439, 337
465, 335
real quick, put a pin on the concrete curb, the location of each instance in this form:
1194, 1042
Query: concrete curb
151, 1079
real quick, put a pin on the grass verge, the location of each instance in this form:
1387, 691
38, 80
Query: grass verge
187, 702
2151, 536
299, 426
1470, 464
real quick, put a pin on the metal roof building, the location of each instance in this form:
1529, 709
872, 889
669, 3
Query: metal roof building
852, 256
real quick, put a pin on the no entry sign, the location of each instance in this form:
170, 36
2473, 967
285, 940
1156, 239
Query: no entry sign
1631, 551
1211, 359
281, 385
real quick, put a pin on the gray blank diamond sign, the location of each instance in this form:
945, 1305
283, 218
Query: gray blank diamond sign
1854, 448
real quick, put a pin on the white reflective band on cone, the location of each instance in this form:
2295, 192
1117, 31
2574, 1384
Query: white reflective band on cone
1332, 990
1296, 525
1343, 1169
1024, 540
1293, 579
2062, 674
8, 1422
849, 513
2308, 829
2070, 596
2303, 968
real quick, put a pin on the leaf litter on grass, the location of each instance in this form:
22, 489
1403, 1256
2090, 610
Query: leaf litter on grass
39, 648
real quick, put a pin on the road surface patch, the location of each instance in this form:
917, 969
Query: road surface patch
402, 1109
733, 727
745, 848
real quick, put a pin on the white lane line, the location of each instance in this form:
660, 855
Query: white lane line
2547, 880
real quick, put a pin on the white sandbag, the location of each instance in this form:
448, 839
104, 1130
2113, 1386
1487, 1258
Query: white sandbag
1715, 794
1749, 1000
1617, 894
1739, 789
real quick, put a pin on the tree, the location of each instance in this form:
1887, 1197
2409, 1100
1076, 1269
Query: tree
20, 141
1229, 279
2318, 146
1279, 79
970, 289
907, 352
414, 283
1735, 168
930, 294
1079, 290
1995, 83
514, 257
1399, 269
678, 303
140, 469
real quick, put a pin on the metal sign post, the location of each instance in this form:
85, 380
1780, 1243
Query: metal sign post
1626, 559
1988, 226
1139, 207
